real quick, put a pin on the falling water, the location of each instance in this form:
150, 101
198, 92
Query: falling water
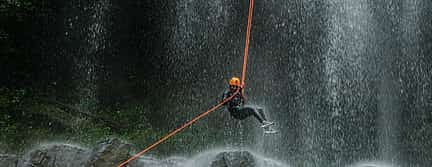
330, 73
388, 100
194, 38
336, 107
90, 42
392, 92
344, 68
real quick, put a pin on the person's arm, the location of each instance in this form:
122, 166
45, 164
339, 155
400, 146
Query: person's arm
243, 97
224, 96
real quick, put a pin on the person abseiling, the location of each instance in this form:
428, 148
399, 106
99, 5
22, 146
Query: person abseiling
238, 109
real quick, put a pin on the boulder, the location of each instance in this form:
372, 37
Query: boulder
7, 160
55, 155
231, 158
234, 159
110, 152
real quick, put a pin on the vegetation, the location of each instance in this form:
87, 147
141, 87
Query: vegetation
27, 120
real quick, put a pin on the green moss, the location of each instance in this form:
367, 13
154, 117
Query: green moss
25, 4
26, 122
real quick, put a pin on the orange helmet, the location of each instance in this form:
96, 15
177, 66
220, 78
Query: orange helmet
234, 81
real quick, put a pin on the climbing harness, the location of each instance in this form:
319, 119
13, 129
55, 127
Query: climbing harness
169, 135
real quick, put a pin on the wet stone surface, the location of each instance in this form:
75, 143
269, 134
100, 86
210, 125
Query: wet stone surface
7, 160
110, 152
58, 155
234, 159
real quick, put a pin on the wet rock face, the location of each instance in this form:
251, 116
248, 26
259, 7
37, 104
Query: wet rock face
112, 152
8, 160
62, 155
109, 153
234, 159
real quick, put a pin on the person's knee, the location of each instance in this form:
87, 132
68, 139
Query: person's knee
260, 110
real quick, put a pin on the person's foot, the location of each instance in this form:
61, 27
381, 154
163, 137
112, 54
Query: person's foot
270, 131
266, 124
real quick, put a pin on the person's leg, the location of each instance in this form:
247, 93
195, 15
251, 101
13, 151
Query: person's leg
248, 111
261, 112
265, 123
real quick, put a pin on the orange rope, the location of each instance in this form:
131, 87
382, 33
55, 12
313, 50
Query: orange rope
246, 49
178, 129
251, 2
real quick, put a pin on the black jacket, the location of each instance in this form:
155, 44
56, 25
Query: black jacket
236, 102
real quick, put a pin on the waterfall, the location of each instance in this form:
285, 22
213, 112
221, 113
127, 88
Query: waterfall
346, 73
86, 29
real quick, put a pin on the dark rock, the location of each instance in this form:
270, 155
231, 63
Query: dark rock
234, 159
110, 152
60, 155
7, 160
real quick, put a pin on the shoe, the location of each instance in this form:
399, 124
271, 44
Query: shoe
270, 131
266, 124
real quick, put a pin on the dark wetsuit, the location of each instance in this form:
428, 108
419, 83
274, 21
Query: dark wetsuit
239, 111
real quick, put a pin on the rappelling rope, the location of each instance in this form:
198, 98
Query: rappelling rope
251, 2
178, 130
246, 49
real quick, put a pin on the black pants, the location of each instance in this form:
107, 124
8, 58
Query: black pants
246, 111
